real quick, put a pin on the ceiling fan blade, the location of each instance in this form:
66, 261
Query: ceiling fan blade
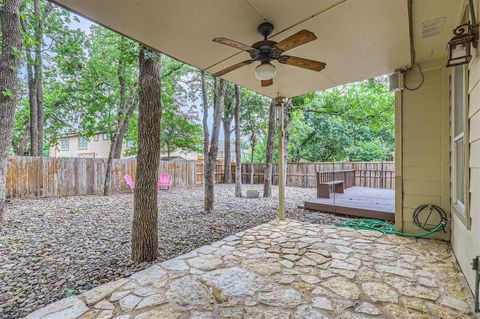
233, 67
295, 40
234, 44
302, 63
266, 82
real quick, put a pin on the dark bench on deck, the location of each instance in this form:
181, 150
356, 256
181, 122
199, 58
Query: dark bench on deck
326, 188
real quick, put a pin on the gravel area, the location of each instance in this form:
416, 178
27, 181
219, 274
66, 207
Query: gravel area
57, 247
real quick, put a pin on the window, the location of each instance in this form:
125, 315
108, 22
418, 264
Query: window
105, 136
82, 143
459, 100
96, 137
64, 144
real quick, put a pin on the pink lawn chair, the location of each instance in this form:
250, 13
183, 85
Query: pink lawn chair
164, 181
129, 181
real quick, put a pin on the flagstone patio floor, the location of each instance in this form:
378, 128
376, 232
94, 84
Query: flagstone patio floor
287, 269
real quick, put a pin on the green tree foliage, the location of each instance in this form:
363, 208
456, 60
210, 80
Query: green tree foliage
348, 123
254, 118
179, 127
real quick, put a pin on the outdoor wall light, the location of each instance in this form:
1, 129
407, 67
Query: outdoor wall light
466, 36
265, 71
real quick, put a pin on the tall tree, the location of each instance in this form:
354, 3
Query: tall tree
253, 121
126, 105
145, 216
206, 132
10, 57
37, 13
179, 133
211, 159
228, 113
238, 146
267, 184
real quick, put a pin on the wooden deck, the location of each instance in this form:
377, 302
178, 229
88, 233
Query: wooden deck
358, 201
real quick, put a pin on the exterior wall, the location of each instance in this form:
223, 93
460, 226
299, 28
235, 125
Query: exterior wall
101, 148
466, 242
95, 149
423, 145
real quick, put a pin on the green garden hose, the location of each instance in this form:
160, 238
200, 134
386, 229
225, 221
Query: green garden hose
388, 228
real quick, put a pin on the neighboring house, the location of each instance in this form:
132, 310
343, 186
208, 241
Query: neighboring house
97, 146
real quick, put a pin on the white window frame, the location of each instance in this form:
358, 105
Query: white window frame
96, 137
105, 136
64, 144
459, 208
82, 143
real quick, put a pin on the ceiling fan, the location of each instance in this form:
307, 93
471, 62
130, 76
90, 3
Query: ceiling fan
266, 51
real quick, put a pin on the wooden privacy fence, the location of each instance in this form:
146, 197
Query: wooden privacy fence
57, 176
366, 174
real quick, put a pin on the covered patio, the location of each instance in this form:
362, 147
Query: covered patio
287, 269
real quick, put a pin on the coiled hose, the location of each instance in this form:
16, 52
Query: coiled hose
388, 228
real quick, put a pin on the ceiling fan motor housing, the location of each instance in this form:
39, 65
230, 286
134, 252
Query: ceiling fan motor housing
265, 29
265, 51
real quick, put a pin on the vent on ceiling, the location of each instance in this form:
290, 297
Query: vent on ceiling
432, 28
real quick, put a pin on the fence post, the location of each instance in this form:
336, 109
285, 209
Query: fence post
305, 175
381, 177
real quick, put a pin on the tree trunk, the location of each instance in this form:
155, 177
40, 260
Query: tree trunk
238, 148
22, 146
32, 100
226, 146
125, 113
267, 184
206, 134
35, 81
145, 216
108, 171
121, 135
288, 122
38, 77
252, 166
114, 140
211, 159
9, 84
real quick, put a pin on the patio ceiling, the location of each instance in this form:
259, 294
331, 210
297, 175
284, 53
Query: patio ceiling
357, 39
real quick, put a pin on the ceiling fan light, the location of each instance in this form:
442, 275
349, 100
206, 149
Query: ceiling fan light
265, 71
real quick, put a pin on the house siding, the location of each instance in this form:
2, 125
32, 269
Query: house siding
466, 242
96, 149
422, 146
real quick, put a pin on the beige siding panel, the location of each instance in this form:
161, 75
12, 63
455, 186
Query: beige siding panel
465, 242
475, 127
423, 145
474, 100
475, 154
426, 173
415, 200
423, 115
424, 130
420, 187
421, 159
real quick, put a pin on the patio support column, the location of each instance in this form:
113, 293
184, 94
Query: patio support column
280, 104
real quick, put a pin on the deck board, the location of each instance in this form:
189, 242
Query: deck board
358, 201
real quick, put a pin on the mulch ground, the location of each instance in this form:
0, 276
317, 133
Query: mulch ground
56, 247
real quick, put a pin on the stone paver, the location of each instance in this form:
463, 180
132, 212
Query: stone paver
287, 270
